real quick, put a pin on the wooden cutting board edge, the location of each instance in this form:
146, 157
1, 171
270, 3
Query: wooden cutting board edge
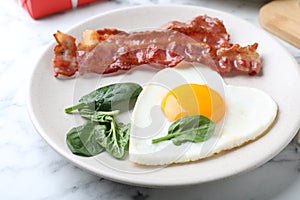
282, 18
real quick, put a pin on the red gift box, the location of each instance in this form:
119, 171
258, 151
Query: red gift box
38, 8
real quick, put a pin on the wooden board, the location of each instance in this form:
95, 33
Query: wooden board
282, 18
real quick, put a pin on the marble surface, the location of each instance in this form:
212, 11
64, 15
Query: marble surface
30, 169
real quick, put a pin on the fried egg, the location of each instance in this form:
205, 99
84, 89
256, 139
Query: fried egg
241, 115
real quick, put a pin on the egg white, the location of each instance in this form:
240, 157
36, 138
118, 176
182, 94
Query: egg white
249, 113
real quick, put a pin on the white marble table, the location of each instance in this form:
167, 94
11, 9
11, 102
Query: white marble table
30, 169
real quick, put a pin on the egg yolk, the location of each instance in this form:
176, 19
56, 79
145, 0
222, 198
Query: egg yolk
193, 99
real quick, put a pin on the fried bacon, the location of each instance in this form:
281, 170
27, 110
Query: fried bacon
203, 39
203, 29
122, 52
91, 38
237, 58
64, 61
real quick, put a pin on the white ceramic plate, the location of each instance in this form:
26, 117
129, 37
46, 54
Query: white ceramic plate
49, 96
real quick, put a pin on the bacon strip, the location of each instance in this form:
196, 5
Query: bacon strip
203, 39
228, 57
122, 52
203, 29
91, 38
64, 61
237, 58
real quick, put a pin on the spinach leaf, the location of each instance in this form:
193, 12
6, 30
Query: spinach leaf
117, 140
102, 132
99, 134
96, 116
195, 129
84, 140
124, 132
118, 96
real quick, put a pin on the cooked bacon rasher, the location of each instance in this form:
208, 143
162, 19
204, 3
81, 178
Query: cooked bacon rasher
203, 40
64, 61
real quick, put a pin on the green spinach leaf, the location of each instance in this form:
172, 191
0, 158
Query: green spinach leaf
99, 134
118, 96
84, 140
195, 129
97, 116
117, 140
102, 132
